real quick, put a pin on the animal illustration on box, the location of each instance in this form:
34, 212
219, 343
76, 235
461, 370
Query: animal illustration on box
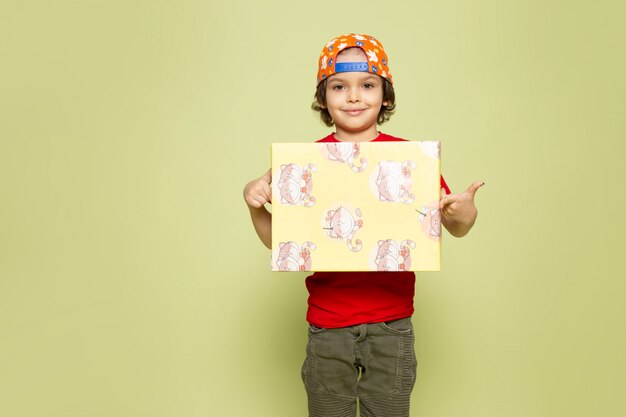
394, 256
292, 257
295, 184
341, 224
346, 152
394, 182
430, 218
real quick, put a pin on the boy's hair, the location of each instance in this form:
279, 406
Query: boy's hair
389, 96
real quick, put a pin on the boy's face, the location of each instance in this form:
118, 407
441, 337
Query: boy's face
354, 99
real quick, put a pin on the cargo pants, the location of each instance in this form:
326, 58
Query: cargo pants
372, 363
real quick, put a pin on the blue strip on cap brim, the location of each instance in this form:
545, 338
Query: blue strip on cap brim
351, 67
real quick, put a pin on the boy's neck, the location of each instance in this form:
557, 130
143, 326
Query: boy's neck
344, 136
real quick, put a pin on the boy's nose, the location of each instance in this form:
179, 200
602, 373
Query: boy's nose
353, 95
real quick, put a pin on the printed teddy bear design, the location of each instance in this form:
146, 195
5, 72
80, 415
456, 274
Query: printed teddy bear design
346, 152
341, 224
296, 184
392, 256
430, 218
292, 257
394, 181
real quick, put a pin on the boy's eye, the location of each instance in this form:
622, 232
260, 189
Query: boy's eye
369, 85
338, 87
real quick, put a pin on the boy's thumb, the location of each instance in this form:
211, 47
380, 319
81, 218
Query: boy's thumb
475, 186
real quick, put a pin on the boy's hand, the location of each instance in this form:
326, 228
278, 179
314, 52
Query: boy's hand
458, 211
259, 191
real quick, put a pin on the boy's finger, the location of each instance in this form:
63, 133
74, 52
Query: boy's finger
442, 196
255, 202
449, 199
475, 186
268, 192
263, 200
445, 200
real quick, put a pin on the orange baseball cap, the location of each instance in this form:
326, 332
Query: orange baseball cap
377, 62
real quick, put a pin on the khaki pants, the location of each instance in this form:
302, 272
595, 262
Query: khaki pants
374, 363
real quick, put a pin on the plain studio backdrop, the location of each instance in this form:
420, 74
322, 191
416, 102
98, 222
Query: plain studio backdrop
132, 283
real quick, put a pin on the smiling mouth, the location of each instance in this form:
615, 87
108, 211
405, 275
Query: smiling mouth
355, 111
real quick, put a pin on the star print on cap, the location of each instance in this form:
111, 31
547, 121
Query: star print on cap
377, 62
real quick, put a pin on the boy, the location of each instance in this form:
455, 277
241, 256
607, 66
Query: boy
360, 333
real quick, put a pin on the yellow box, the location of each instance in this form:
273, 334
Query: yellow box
342, 206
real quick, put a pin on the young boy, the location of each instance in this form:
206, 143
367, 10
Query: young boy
360, 332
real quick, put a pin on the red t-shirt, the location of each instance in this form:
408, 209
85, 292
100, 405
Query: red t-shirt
340, 299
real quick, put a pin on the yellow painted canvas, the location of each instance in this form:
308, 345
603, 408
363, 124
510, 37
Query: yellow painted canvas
343, 206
